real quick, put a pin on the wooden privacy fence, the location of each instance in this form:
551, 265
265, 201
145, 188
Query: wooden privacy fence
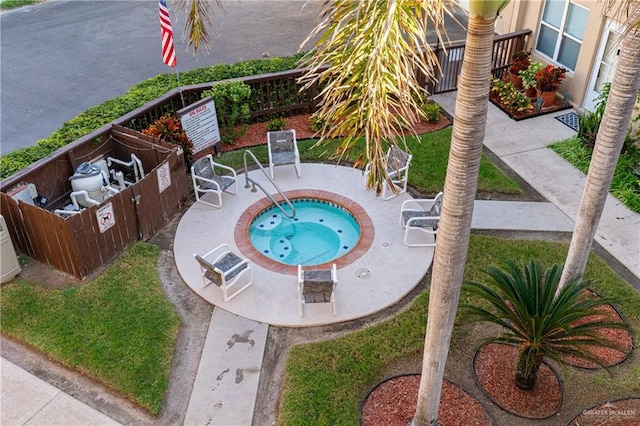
280, 92
79, 244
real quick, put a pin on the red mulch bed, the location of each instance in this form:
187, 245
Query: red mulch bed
607, 356
624, 412
257, 133
495, 372
393, 403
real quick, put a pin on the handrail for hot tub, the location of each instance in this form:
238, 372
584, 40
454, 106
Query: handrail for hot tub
253, 185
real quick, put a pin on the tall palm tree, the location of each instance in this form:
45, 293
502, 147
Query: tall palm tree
608, 145
372, 50
538, 317
457, 207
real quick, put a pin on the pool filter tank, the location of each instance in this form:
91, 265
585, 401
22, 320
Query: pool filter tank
91, 179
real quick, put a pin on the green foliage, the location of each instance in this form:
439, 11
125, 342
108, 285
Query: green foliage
136, 96
317, 124
118, 329
429, 165
232, 107
528, 75
625, 184
276, 124
510, 97
326, 381
12, 4
431, 111
542, 320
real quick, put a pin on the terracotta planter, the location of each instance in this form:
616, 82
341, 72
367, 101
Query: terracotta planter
531, 92
547, 98
516, 80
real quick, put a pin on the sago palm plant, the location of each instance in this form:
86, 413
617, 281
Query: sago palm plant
542, 324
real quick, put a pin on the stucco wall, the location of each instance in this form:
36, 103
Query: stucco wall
526, 14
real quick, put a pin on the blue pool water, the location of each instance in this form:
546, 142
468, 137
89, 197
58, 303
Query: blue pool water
320, 232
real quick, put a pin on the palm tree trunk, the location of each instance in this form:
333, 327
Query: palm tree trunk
457, 209
527, 371
609, 143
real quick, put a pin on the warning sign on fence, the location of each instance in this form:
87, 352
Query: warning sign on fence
106, 218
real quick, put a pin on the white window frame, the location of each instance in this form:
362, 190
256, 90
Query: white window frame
561, 32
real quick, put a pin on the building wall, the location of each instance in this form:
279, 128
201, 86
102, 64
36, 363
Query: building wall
520, 14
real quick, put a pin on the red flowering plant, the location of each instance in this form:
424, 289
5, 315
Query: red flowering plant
169, 129
520, 61
550, 77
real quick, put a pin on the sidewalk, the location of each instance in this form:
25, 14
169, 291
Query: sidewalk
227, 381
522, 146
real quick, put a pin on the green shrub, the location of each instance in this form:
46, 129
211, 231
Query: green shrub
431, 110
510, 97
136, 97
276, 124
232, 108
317, 124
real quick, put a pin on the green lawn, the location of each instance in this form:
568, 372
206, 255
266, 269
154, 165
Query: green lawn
12, 4
428, 167
325, 382
118, 329
625, 185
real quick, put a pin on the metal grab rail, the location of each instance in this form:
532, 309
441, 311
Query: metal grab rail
253, 185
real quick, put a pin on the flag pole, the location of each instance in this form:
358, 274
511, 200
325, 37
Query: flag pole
180, 88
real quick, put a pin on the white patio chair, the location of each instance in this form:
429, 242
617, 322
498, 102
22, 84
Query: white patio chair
317, 287
209, 176
225, 269
283, 149
420, 218
398, 162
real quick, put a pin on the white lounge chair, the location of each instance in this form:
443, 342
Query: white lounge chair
420, 218
398, 162
317, 287
209, 176
283, 149
225, 269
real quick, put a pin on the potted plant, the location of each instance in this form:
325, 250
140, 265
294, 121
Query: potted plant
510, 97
549, 79
529, 78
519, 62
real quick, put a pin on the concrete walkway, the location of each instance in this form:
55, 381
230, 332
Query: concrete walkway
227, 381
522, 146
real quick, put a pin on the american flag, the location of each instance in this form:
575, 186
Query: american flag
168, 52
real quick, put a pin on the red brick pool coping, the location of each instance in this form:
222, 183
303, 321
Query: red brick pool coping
241, 232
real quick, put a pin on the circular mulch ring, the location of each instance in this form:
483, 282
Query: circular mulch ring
621, 412
392, 402
494, 369
608, 357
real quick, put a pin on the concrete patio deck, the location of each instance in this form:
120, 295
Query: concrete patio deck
377, 278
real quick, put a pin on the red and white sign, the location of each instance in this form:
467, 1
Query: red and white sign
106, 218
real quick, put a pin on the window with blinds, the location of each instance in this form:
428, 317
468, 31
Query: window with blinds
561, 31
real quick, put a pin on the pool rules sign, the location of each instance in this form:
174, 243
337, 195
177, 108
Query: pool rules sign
200, 122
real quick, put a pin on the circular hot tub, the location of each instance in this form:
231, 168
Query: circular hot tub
320, 232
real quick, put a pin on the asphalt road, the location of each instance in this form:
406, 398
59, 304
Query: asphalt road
61, 57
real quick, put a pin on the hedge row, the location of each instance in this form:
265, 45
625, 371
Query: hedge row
135, 97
